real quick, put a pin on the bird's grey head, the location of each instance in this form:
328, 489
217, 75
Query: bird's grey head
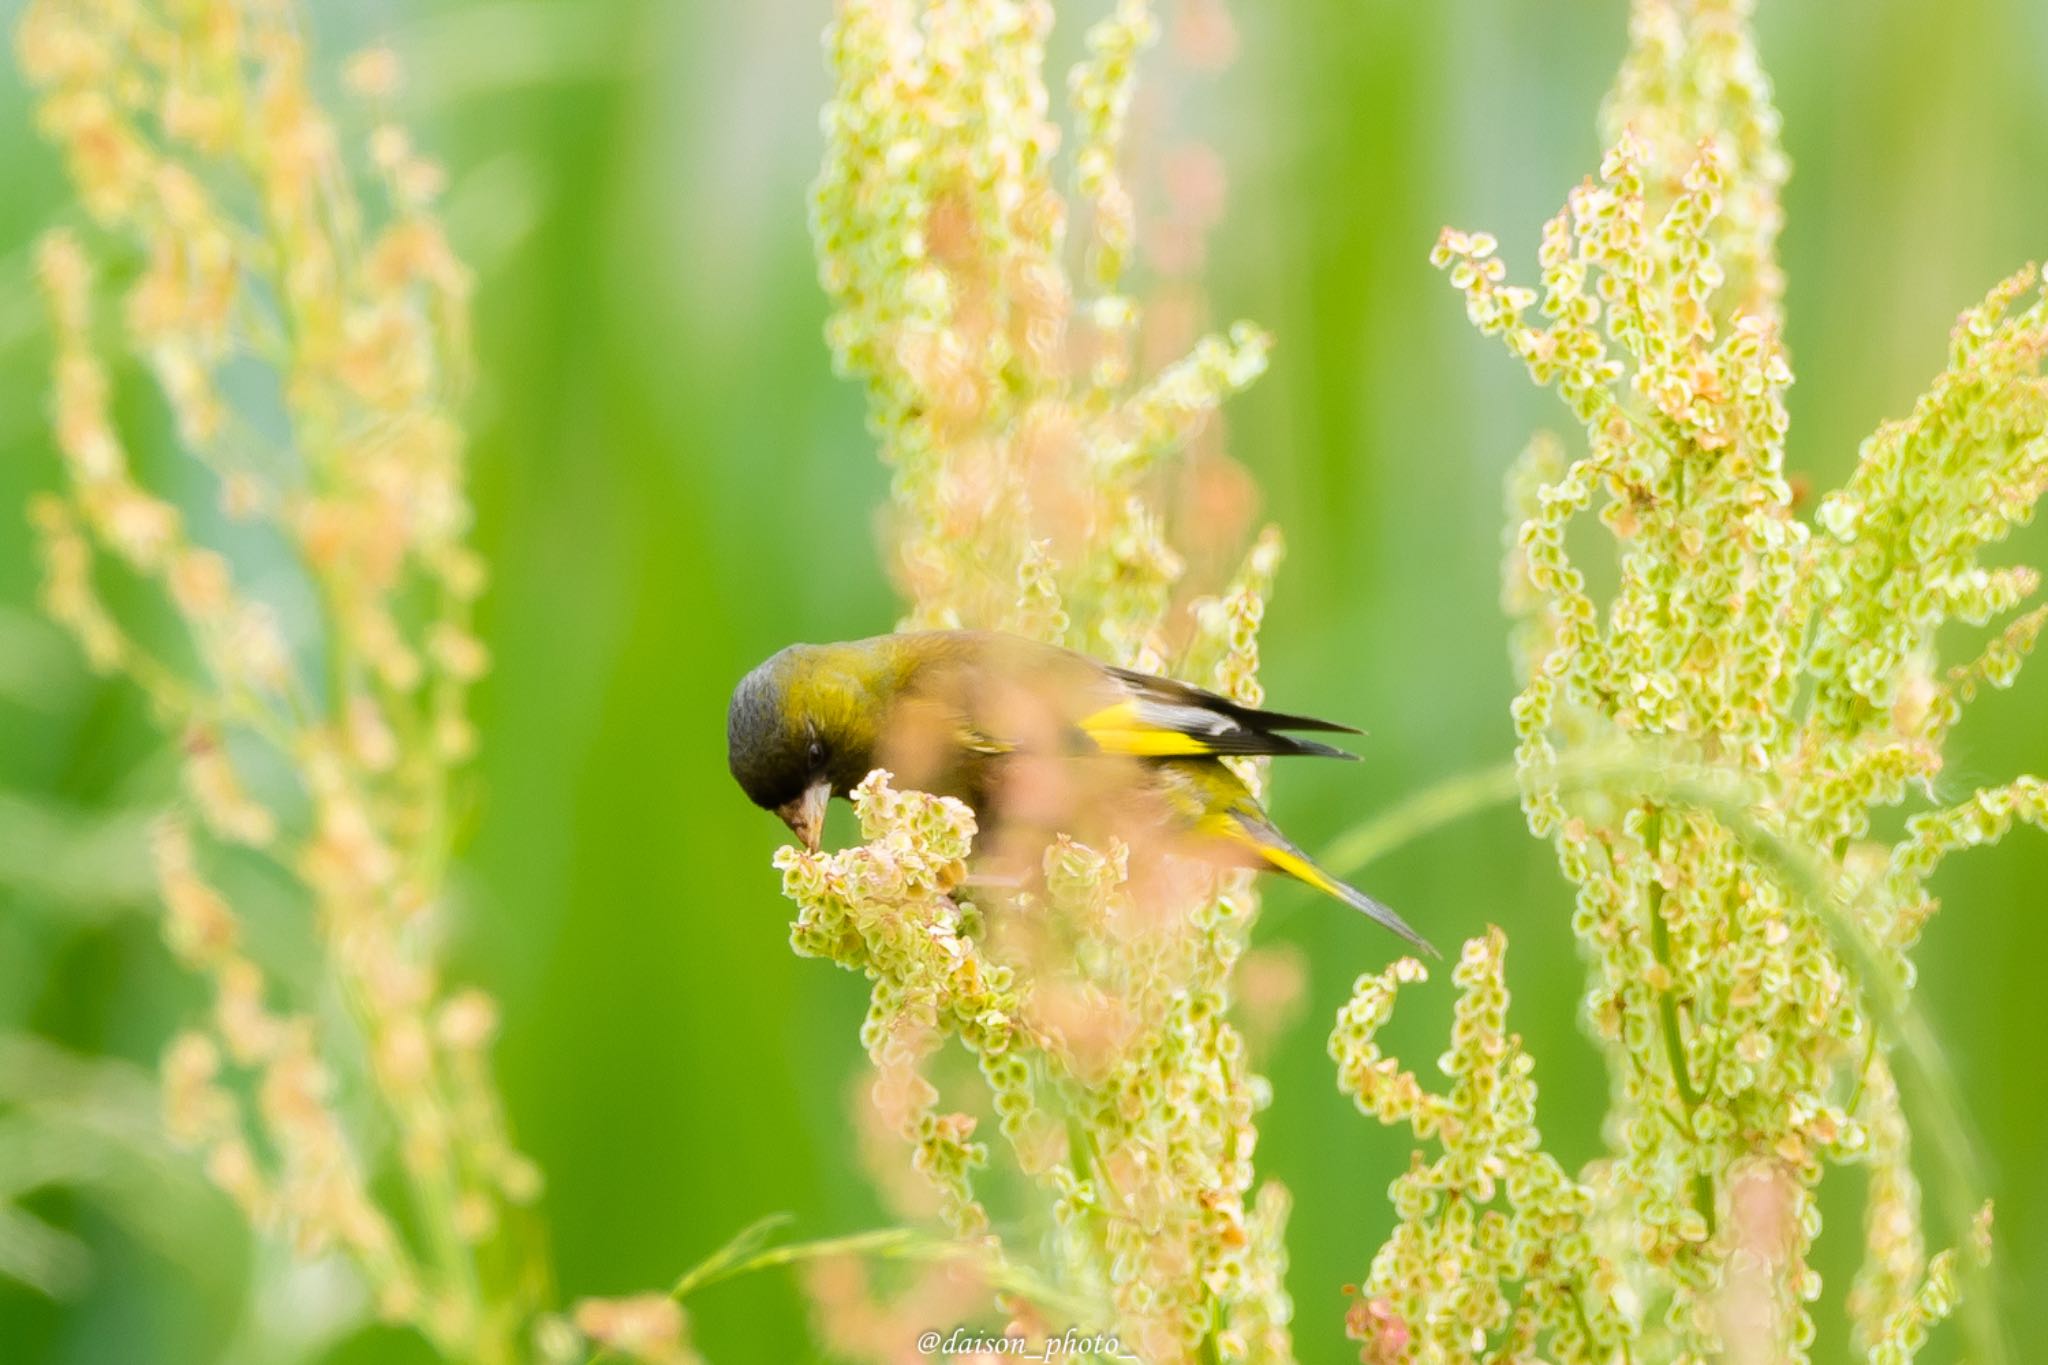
773, 750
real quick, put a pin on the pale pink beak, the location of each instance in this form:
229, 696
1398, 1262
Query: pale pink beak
805, 816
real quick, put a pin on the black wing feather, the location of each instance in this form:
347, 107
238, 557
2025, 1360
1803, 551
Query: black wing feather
1225, 726
1179, 693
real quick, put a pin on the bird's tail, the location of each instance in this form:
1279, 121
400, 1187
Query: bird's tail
1283, 856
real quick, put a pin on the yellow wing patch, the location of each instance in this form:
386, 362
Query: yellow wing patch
974, 741
1121, 729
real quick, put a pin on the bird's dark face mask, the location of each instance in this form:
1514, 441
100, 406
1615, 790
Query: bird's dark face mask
781, 764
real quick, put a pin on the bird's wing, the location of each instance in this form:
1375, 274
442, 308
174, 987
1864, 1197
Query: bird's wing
1152, 717
1001, 694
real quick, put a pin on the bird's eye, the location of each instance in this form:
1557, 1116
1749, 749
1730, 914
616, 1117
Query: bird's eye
817, 752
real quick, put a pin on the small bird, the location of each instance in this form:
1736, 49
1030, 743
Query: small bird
1035, 738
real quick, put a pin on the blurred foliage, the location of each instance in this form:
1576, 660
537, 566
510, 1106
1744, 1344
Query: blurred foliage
667, 475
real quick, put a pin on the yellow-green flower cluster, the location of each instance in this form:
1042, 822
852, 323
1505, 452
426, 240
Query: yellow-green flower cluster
1692, 75
307, 339
1114, 1078
1494, 1246
1020, 441
1745, 1046
1101, 89
1032, 470
885, 909
1903, 536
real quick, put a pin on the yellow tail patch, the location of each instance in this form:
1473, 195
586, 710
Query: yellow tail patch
1230, 826
1301, 869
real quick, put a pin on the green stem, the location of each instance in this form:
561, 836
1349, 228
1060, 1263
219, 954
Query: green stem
1660, 949
1424, 812
1667, 1016
745, 1254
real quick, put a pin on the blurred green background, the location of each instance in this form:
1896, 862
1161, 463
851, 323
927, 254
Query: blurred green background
671, 484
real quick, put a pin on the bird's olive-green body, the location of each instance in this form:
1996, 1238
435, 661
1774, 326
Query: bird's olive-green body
1038, 740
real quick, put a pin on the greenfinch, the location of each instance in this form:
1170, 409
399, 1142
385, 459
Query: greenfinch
1038, 740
